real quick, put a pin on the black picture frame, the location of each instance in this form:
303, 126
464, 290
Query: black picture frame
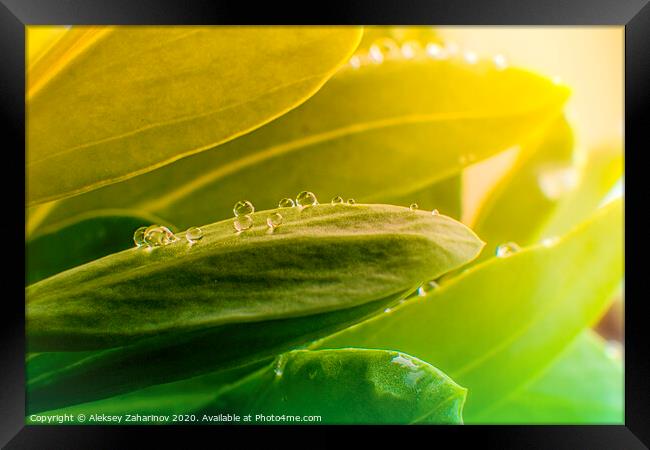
634, 15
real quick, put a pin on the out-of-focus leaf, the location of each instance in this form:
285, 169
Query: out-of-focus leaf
107, 103
382, 35
252, 295
342, 386
518, 208
82, 240
497, 325
377, 133
584, 386
445, 196
599, 172
179, 397
349, 386
39, 39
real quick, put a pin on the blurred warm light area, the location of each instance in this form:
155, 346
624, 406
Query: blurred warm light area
588, 59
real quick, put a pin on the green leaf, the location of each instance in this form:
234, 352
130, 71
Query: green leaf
377, 133
600, 169
342, 386
254, 295
446, 196
321, 259
495, 326
108, 103
82, 240
517, 208
584, 386
347, 387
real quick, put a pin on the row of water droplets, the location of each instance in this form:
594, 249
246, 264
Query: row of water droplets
158, 236
385, 49
244, 209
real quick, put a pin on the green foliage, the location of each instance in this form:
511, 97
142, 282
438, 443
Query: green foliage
388, 387
289, 320
105, 111
378, 133
540, 297
584, 385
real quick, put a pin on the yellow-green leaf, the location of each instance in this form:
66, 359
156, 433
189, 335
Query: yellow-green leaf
107, 103
497, 325
517, 208
376, 133
584, 386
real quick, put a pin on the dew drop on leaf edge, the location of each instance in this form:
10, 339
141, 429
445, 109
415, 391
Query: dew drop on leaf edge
243, 208
274, 220
138, 237
193, 234
305, 199
507, 249
286, 203
242, 223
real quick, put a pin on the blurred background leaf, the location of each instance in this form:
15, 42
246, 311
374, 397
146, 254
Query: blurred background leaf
97, 114
377, 133
500, 323
83, 239
584, 385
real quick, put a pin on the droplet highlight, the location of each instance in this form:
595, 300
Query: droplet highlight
305, 199
337, 200
507, 249
435, 212
426, 288
500, 62
193, 234
286, 203
242, 223
243, 208
274, 220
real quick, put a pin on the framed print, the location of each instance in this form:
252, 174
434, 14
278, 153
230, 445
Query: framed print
369, 217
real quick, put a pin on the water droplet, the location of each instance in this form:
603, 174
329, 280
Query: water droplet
471, 57
278, 369
375, 54
286, 203
411, 49
387, 310
427, 287
500, 62
435, 212
193, 234
138, 237
242, 223
355, 62
413, 207
274, 220
242, 208
557, 181
157, 235
435, 51
507, 249
351, 201
548, 242
384, 48
305, 199
337, 200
